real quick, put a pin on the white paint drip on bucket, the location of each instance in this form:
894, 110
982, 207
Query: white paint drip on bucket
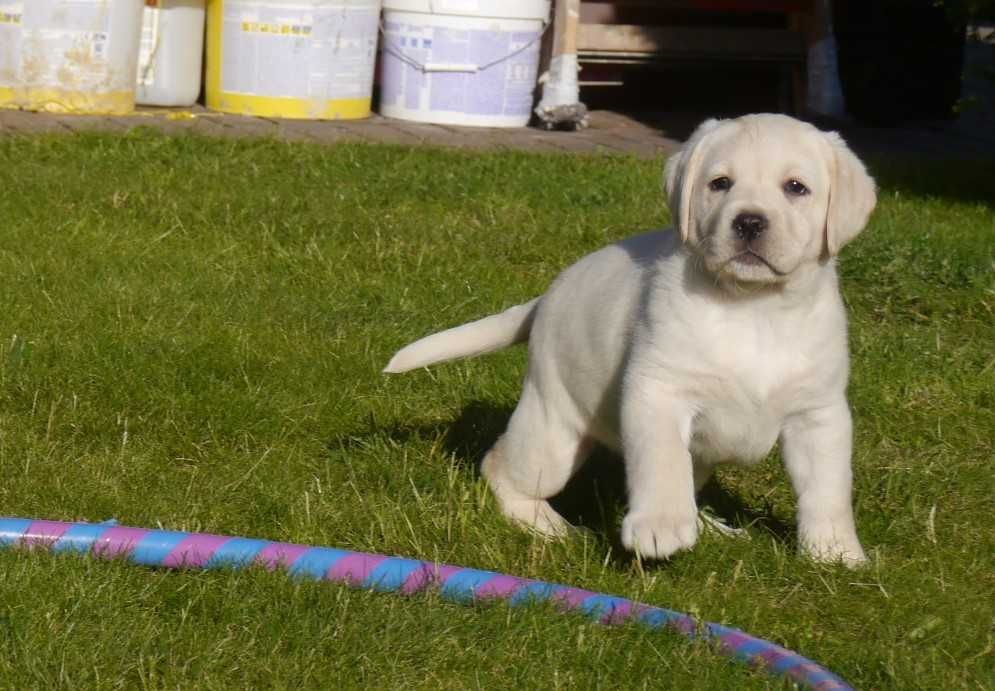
461, 62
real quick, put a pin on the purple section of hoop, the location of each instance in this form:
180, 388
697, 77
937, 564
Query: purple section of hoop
44, 533
354, 568
195, 550
118, 541
420, 578
817, 677
572, 597
685, 625
734, 639
501, 586
772, 654
619, 614
280, 555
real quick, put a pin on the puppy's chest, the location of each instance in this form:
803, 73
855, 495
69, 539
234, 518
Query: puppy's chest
743, 397
727, 433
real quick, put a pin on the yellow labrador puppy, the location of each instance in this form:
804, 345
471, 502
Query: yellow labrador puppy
690, 347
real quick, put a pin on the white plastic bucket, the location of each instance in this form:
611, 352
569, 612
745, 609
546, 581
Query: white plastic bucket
76, 56
461, 62
292, 58
170, 58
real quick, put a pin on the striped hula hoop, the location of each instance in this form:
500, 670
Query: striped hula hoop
178, 550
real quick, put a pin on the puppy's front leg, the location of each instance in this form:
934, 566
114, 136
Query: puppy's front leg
662, 515
816, 446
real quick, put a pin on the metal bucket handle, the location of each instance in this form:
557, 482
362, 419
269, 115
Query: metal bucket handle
450, 66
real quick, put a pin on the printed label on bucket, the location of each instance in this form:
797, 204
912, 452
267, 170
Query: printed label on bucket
11, 17
303, 52
502, 88
53, 43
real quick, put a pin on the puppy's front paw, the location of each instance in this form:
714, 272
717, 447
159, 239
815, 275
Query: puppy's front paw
829, 545
659, 535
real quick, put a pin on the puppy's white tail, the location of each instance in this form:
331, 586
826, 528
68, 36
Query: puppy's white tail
482, 336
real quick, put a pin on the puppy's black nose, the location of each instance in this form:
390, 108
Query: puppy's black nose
749, 226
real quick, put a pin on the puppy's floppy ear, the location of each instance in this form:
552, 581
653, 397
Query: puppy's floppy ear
852, 195
679, 175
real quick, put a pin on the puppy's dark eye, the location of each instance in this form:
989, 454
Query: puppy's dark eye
720, 184
796, 188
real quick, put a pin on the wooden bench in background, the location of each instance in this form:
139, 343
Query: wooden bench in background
671, 32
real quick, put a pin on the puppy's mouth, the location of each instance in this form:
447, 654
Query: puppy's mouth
751, 258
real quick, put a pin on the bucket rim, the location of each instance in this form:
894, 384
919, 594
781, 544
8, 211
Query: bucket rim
490, 9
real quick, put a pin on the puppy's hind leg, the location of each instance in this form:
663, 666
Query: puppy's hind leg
532, 461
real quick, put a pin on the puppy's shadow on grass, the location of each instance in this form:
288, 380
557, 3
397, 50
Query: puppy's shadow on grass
595, 498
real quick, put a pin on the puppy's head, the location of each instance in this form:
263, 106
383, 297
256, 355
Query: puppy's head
758, 197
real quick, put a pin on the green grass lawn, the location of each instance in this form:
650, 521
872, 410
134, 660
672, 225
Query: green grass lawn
191, 337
